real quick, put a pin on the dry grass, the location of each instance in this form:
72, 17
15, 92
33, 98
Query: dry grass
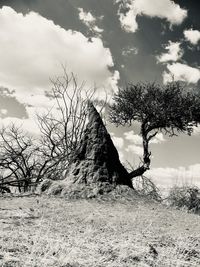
42, 231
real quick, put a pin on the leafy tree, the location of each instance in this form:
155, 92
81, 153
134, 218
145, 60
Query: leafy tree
169, 109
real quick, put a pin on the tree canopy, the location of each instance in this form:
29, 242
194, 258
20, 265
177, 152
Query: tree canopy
170, 109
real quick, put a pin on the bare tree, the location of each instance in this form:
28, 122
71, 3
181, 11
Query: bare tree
25, 161
62, 127
17, 158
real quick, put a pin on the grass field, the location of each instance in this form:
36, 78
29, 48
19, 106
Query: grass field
40, 231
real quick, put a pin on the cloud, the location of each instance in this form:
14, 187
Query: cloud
119, 144
193, 36
174, 52
181, 72
129, 50
86, 17
10, 106
135, 144
33, 49
3, 111
118, 141
28, 125
89, 20
138, 150
165, 9
159, 138
128, 20
133, 138
196, 130
136, 139
167, 177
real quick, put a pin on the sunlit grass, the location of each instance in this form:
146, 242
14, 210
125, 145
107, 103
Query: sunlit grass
53, 232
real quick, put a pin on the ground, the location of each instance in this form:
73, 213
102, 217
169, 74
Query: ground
41, 231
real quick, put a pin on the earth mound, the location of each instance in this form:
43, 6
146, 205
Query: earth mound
95, 168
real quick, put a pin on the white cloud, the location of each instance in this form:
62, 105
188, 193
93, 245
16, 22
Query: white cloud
137, 140
118, 142
3, 111
181, 72
28, 125
129, 50
138, 150
87, 17
196, 130
33, 48
193, 36
165, 9
128, 20
174, 52
133, 138
89, 20
159, 138
167, 177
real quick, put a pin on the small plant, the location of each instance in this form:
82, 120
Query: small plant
146, 187
185, 197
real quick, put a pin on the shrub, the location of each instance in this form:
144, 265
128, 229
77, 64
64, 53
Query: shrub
55, 189
144, 186
44, 185
185, 197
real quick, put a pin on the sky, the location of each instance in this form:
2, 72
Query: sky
111, 43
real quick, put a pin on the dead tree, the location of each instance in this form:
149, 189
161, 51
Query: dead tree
17, 160
24, 161
62, 127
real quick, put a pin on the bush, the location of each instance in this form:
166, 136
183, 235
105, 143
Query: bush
185, 197
44, 185
55, 189
144, 186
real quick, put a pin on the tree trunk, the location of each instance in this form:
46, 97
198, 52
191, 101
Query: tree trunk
146, 156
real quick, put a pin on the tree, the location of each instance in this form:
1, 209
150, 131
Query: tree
22, 160
169, 109
17, 158
26, 161
62, 127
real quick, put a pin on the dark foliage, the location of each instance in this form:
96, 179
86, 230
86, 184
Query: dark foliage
169, 109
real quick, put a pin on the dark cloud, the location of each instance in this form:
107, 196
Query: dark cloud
62, 12
9, 103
